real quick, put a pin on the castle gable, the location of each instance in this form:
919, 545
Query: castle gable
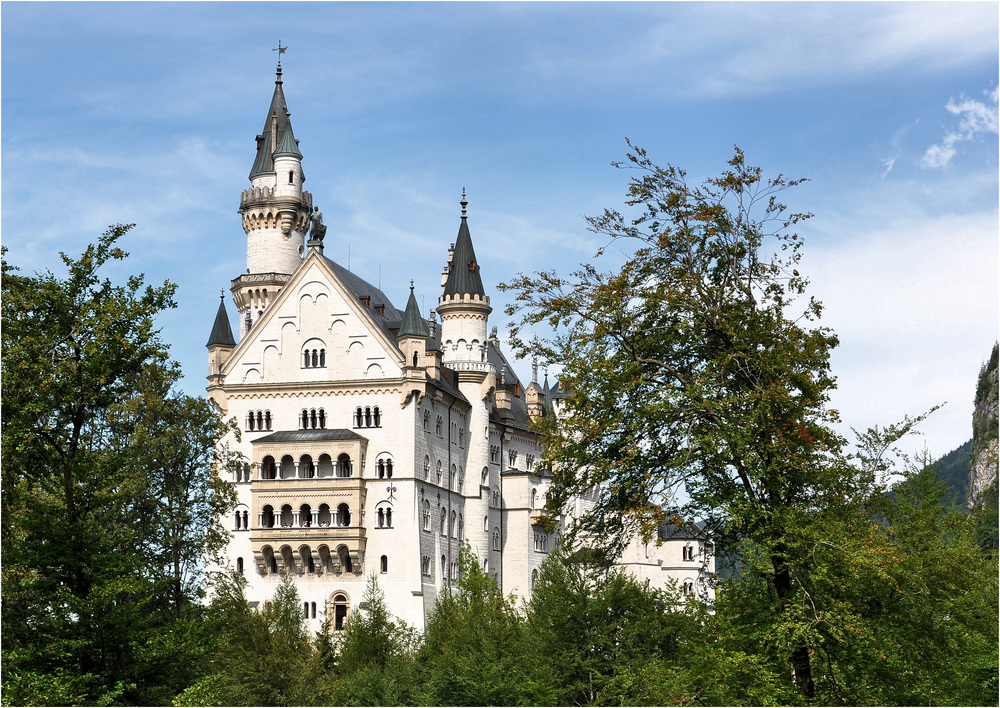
326, 324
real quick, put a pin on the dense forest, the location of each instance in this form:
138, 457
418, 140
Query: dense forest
855, 577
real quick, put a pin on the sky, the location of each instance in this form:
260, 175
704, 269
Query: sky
146, 113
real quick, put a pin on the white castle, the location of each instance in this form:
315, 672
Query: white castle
379, 441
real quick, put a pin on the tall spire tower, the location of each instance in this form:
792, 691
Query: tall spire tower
275, 211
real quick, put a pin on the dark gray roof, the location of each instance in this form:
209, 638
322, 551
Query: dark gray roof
309, 436
669, 529
517, 416
412, 324
363, 289
264, 162
463, 271
222, 333
288, 145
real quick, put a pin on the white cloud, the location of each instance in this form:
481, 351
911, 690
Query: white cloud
976, 118
914, 303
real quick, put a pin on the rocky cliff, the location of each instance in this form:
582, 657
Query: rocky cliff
985, 458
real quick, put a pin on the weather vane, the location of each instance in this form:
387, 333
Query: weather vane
280, 50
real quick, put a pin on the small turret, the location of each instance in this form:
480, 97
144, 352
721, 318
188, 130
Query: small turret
464, 307
220, 342
412, 335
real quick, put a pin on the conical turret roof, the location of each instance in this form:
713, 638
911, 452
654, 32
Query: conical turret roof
276, 136
222, 333
463, 272
412, 324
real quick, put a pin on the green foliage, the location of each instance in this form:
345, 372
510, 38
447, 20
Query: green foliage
693, 373
374, 655
473, 650
585, 626
89, 597
953, 469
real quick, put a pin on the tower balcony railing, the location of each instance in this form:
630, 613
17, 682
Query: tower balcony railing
480, 366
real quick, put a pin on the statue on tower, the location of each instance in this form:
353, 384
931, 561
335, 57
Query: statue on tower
317, 228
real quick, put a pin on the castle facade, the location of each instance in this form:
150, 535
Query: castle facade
379, 441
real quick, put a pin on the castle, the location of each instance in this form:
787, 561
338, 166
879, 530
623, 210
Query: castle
379, 441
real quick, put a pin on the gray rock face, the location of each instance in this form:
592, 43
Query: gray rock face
985, 458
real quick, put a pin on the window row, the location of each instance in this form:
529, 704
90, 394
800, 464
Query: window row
369, 417
306, 468
312, 419
304, 517
457, 432
688, 553
313, 358
258, 420
456, 479
541, 542
306, 560
456, 528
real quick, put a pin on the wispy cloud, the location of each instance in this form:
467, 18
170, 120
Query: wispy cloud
976, 118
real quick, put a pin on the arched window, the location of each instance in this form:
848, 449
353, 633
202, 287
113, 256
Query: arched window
267, 420
305, 419
534, 579
485, 475
388, 517
344, 467
461, 437
239, 565
427, 515
305, 516
384, 564
340, 607
444, 568
322, 418
358, 418
438, 425
534, 498
381, 469
250, 421
267, 517
496, 539
381, 518
238, 519
368, 417
315, 358
486, 523
439, 471
377, 417
305, 359
453, 477
427, 466
427, 421
246, 519
313, 421
260, 420
343, 515
444, 521
414, 358
312, 606
388, 469
322, 357
496, 498
454, 524
461, 479
291, 180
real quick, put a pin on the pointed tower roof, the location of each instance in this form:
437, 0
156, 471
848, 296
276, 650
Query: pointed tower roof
412, 324
463, 273
222, 333
276, 134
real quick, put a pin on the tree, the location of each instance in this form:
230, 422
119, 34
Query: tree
586, 625
473, 652
685, 369
374, 655
86, 605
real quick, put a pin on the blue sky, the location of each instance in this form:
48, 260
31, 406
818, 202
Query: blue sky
147, 112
